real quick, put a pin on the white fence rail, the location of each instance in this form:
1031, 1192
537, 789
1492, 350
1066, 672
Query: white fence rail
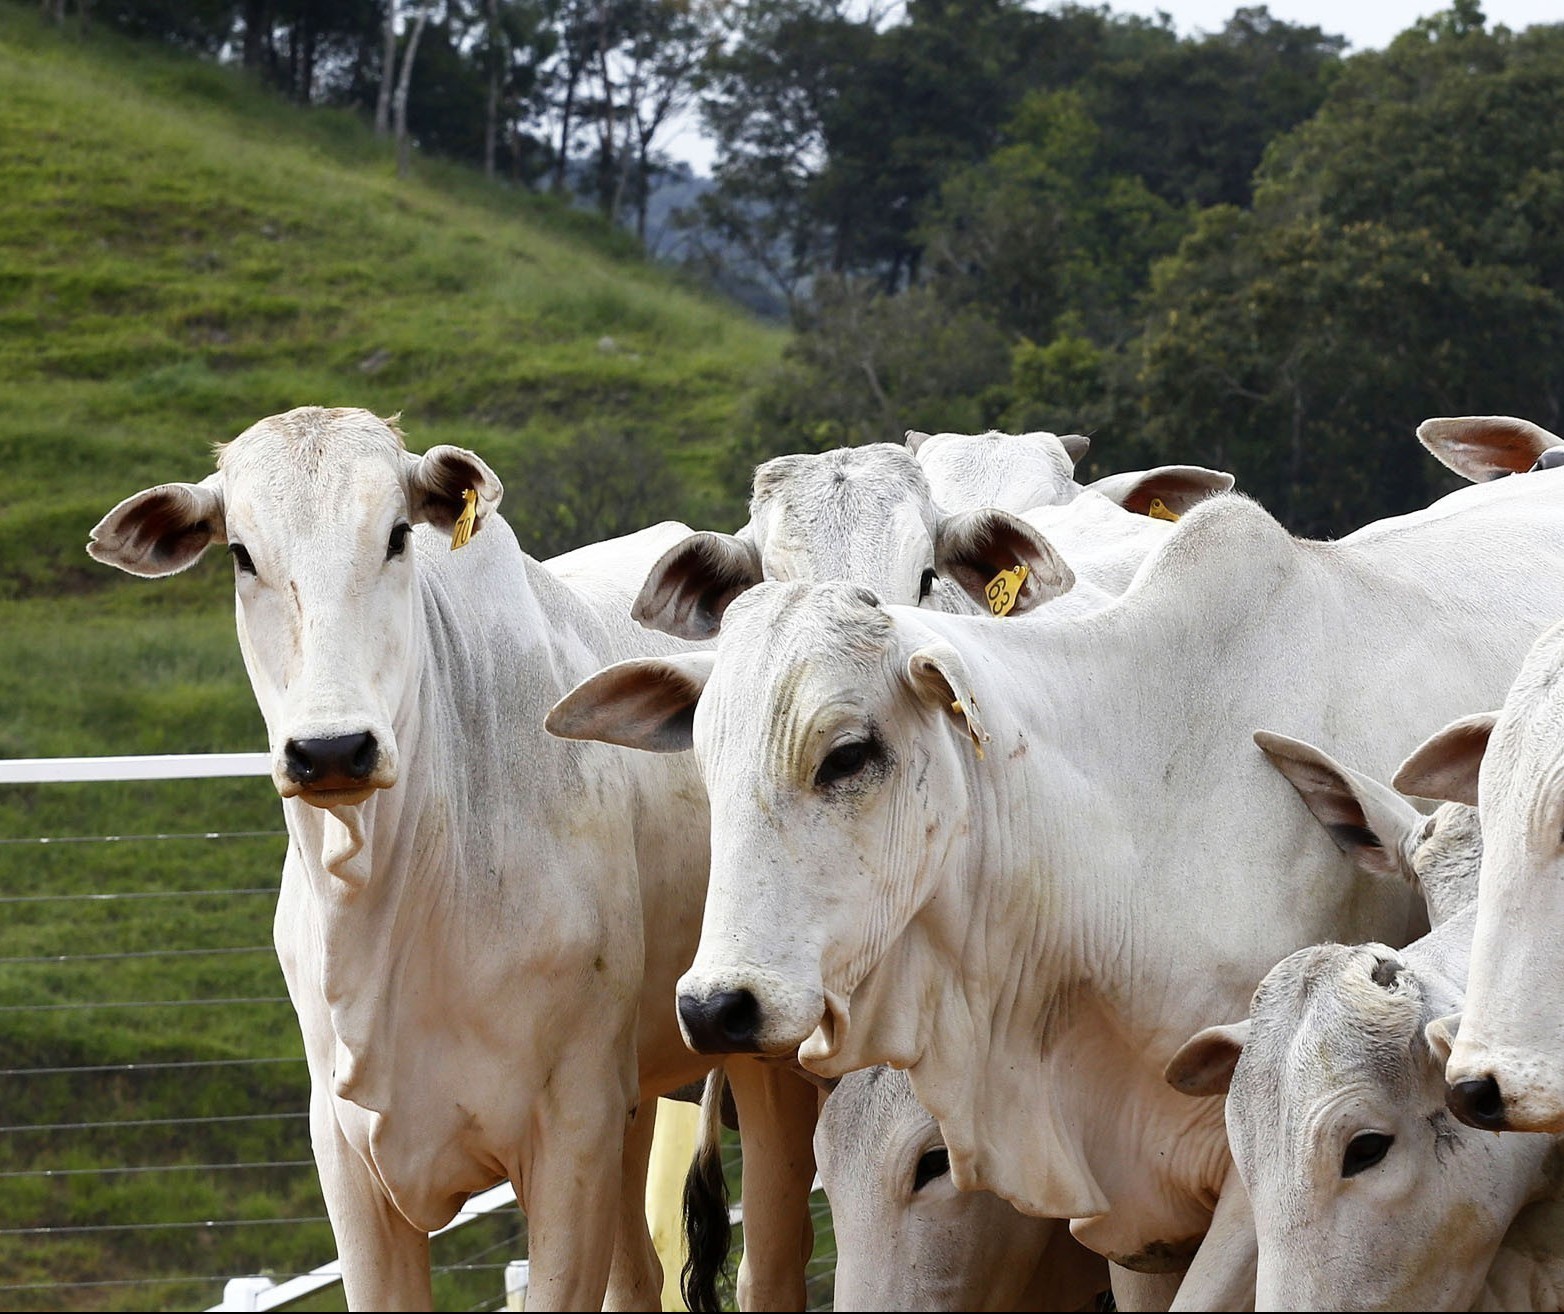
164, 928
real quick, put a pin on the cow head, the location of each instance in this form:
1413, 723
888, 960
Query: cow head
1336, 1117
857, 513
317, 509
834, 736
906, 1238
1014, 472
1506, 1067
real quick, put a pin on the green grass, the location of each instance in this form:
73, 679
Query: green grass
182, 254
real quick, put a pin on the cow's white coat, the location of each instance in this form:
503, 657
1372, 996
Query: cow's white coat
481, 937
1034, 933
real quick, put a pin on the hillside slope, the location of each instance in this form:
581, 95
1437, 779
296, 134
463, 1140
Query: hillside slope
182, 254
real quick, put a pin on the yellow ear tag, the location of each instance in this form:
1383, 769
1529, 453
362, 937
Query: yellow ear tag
461, 531
1005, 588
977, 739
1158, 510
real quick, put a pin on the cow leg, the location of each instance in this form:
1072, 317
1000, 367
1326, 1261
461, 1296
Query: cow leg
1142, 1291
571, 1192
635, 1281
776, 1109
1225, 1267
384, 1258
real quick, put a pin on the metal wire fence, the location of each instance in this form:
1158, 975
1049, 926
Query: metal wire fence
154, 1138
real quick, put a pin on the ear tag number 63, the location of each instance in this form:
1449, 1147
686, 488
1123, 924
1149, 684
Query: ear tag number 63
1004, 589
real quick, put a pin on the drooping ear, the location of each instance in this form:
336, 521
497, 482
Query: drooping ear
915, 439
648, 702
939, 677
437, 480
1483, 447
1445, 765
1440, 1035
1204, 1063
972, 547
161, 530
693, 582
1177, 487
1367, 821
1076, 445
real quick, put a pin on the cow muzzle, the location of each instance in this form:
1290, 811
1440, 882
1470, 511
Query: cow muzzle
745, 1015
334, 771
1505, 1090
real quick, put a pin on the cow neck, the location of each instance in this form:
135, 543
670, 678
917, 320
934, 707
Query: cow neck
391, 916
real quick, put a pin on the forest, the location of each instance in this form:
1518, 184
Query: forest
1247, 248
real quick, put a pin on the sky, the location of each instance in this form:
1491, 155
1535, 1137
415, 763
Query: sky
1367, 25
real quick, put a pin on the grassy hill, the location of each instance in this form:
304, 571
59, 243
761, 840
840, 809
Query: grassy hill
180, 255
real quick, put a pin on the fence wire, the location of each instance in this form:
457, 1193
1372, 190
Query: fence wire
155, 1141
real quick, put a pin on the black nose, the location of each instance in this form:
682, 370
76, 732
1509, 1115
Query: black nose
1550, 459
1477, 1103
724, 1023
340, 762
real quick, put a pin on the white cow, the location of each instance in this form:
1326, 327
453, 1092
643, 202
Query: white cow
1033, 932
906, 1238
1020, 472
1506, 1068
1366, 1193
856, 513
1103, 530
1484, 447
480, 926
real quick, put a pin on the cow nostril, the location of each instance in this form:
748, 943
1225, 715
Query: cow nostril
362, 761
725, 1023
301, 767
1477, 1102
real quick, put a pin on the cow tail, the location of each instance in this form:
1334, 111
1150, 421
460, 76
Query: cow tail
708, 1229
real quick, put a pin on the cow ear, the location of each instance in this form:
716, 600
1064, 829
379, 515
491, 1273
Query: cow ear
1204, 1063
437, 483
1446, 765
1483, 447
915, 439
1367, 821
1177, 487
1440, 1035
1076, 445
972, 547
161, 530
693, 582
648, 702
939, 677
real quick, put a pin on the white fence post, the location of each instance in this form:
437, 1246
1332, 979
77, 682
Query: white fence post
516, 1274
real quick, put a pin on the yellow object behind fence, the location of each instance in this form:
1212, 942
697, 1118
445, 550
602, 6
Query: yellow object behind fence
673, 1145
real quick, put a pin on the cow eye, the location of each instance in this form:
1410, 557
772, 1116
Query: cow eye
933, 1163
241, 557
926, 584
398, 541
1364, 1151
844, 761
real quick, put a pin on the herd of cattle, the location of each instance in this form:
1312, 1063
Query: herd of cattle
1021, 822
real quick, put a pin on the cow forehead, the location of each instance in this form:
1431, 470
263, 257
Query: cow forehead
866, 1108
310, 455
841, 486
1325, 1017
787, 653
996, 461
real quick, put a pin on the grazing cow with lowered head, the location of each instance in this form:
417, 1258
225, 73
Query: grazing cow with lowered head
480, 926
906, 1238
1017, 858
